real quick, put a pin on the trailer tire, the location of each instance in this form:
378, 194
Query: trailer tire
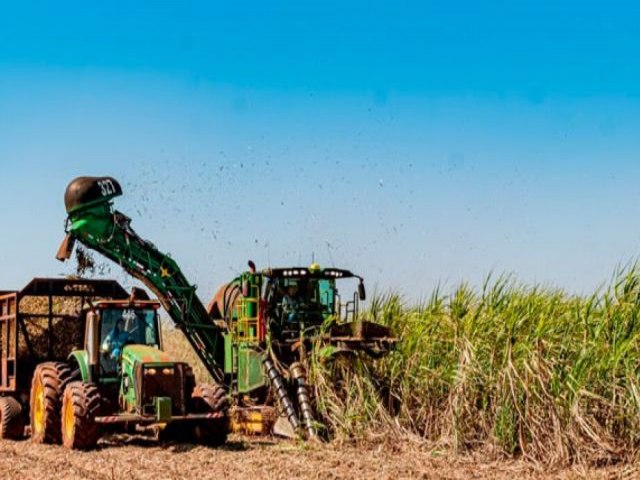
211, 399
47, 386
11, 419
80, 406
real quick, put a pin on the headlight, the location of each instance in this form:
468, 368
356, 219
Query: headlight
150, 371
167, 371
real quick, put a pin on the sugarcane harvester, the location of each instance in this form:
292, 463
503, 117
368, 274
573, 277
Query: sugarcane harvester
279, 318
255, 336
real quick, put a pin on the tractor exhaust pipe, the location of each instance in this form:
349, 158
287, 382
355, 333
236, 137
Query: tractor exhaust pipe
281, 394
299, 376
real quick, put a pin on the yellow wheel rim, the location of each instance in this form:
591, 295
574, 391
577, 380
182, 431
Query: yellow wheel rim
68, 419
38, 408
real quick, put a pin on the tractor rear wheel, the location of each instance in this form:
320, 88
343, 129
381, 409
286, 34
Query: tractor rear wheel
211, 399
80, 406
11, 419
47, 385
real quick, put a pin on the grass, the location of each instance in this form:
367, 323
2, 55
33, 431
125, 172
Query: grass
508, 370
512, 369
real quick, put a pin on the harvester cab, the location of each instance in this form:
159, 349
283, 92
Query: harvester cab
302, 302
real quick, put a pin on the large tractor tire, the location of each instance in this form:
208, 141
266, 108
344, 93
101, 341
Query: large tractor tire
47, 386
211, 399
80, 406
11, 419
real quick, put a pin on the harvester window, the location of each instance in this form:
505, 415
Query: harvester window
305, 299
326, 295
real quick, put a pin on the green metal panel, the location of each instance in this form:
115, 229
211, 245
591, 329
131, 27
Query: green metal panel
163, 409
95, 221
228, 350
145, 354
127, 386
82, 359
250, 374
252, 280
133, 355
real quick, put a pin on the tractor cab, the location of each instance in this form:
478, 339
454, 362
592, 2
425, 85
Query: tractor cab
123, 351
122, 324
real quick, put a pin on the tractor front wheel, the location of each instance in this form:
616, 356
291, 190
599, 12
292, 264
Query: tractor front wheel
11, 419
211, 399
80, 406
47, 385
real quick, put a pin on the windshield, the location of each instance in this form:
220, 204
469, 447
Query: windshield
311, 293
138, 325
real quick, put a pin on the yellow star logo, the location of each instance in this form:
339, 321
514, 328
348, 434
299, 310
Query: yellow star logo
164, 272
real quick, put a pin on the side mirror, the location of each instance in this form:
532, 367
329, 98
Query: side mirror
362, 293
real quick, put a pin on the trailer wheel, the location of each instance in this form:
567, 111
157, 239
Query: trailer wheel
80, 406
11, 419
211, 399
49, 380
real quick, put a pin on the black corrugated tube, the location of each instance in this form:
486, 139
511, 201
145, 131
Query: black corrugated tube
281, 394
299, 375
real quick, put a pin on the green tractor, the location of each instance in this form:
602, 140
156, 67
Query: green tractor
123, 380
81, 357
251, 339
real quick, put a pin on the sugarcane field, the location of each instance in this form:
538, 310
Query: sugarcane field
319, 240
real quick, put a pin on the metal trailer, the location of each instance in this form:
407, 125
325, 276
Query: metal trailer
41, 324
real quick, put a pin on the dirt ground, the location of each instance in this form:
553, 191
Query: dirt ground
121, 457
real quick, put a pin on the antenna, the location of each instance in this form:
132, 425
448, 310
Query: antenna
333, 264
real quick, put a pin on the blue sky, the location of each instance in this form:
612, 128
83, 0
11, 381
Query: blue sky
413, 142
